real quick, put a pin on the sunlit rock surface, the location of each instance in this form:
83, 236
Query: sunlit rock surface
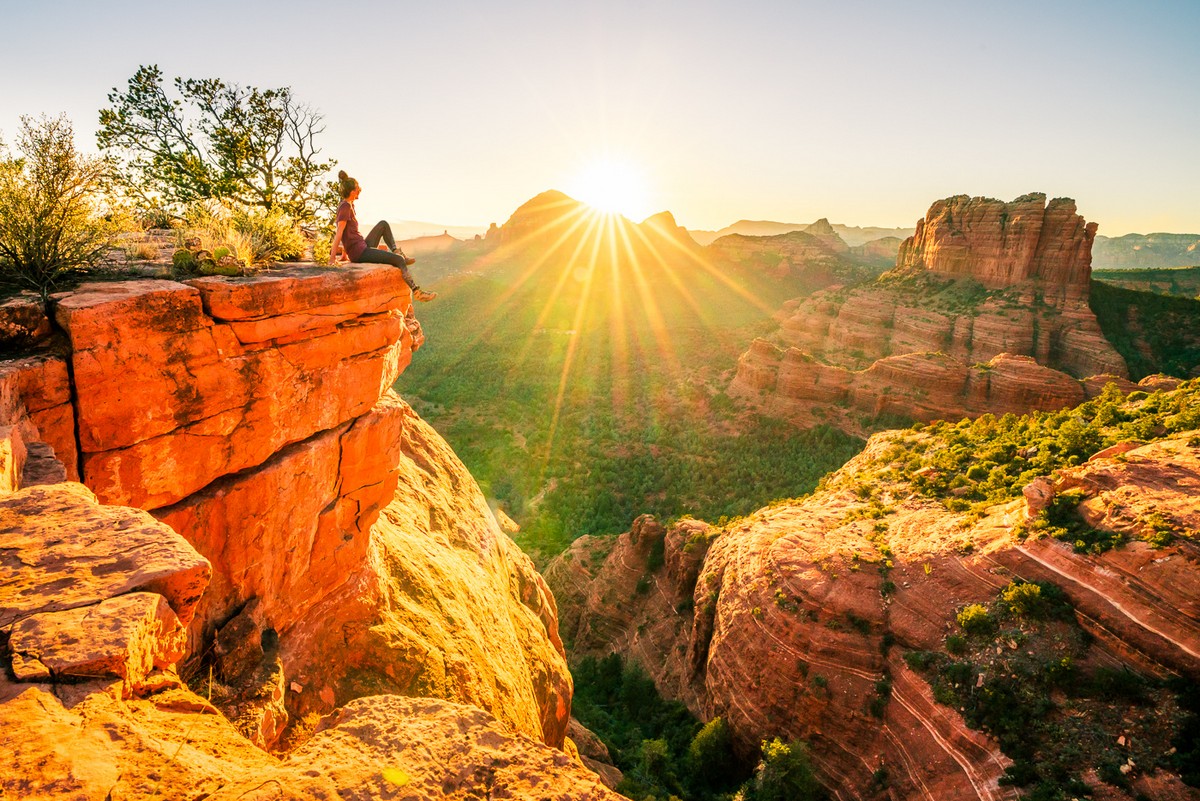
781, 622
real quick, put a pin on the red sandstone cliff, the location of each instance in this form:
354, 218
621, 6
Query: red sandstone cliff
782, 622
351, 553
980, 278
1001, 244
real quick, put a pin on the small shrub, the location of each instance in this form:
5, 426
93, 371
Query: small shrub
920, 660
976, 619
956, 644
53, 222
273, 235
141, 251
1020, 599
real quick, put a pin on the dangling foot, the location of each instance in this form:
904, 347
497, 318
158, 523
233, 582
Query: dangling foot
409, 260
423, 296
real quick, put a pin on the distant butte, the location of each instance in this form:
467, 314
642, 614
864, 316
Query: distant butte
985, 311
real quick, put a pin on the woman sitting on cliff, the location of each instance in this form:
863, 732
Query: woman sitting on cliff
346, 238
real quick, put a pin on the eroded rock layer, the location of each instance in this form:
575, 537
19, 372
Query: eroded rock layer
93, 603
980, 279
1000, 244
794, 622
351, 552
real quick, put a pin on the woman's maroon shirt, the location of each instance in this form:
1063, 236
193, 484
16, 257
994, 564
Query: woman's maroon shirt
352, 240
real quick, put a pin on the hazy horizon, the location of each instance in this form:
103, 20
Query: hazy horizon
774, 111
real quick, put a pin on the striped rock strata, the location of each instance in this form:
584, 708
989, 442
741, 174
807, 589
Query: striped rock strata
781, 622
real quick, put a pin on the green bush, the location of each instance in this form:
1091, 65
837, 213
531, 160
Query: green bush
976, 619
956, 644
784, 774
54, 225
274, 236
1020, 598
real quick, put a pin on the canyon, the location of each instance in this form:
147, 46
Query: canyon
214, 499
986, 310
811, 618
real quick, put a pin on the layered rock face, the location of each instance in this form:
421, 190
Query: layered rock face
351, 552
980, 278
789, 622
1000, 244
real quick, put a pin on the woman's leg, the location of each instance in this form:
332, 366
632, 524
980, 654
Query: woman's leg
381, 231
374, 255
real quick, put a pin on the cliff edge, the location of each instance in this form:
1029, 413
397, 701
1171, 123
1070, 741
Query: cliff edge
346, 552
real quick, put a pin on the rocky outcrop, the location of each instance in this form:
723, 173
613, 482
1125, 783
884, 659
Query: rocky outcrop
798, 615
93, 604
917, 386
979, 279
92, 745
88, 590
1001, 244
351, 552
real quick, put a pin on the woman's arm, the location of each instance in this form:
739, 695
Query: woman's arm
337, 243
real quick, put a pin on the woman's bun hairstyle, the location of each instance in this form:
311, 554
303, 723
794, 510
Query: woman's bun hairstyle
346, 184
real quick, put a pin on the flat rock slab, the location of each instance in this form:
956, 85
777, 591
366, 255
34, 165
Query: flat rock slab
60, 550
287, 304
127, 636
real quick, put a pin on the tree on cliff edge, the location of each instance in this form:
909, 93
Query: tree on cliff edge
237, 144
53, 220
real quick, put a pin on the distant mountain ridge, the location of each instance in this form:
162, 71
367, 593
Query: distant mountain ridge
1143, 251
852, 235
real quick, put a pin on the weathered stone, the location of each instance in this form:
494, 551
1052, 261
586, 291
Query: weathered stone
1001, 244
60, 550
174, 745
127, 636
203, 398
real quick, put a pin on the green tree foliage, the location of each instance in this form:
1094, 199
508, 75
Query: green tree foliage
214, 140
710, 758
991, 459
53, 221
1153, 333
785, 774
662, 749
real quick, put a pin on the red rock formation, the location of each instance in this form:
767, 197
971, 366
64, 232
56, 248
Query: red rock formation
1001, 244
91, 590
787, 628
1035, 258
919, 386
255, 417
94, 598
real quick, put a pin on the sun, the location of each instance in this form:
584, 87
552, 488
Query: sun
611, 186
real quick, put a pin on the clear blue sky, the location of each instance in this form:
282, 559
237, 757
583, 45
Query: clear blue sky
863, 112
